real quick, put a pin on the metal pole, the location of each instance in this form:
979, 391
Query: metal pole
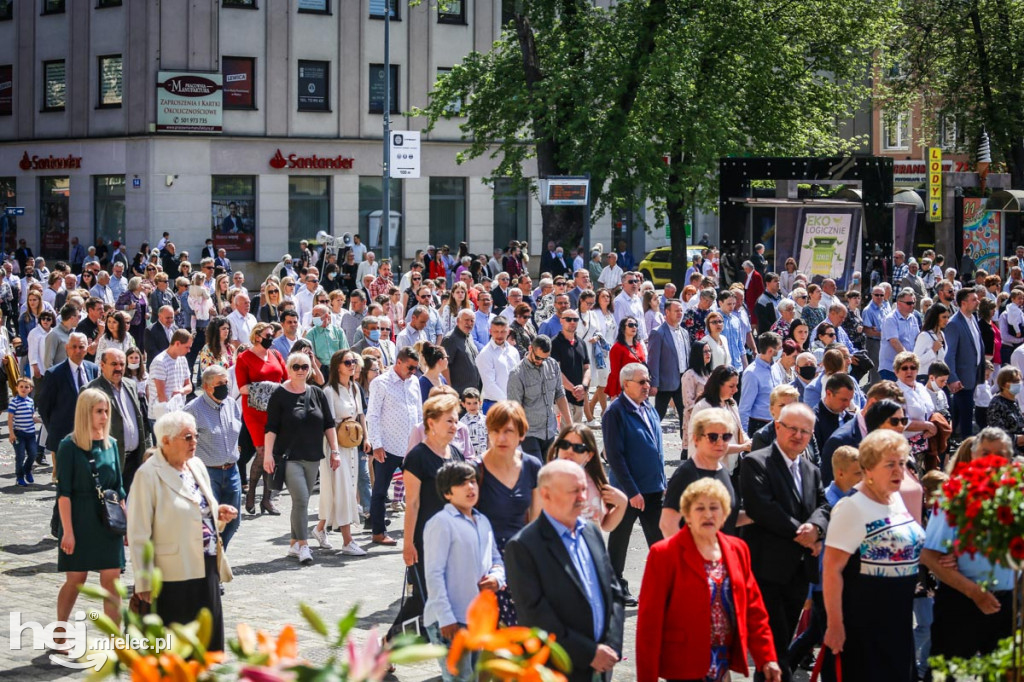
586, 225
385, 216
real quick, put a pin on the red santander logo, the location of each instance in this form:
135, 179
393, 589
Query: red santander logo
339, 162
277, 161
25, 163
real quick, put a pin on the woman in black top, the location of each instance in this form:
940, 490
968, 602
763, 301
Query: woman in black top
331, 280
1004, 411
298, 418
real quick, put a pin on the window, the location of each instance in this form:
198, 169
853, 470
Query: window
377, 9
455, 106
314, 86
377, 89
6, 90
54, 86
370, 209
447, 211
110, 81
451, 12
511, 209
53, 6
100, 4
9, 224
54, 193
309, 208
6, 10
315, 6
508, 12
108, 208
233, 215
239, 82
896, 130
240, 4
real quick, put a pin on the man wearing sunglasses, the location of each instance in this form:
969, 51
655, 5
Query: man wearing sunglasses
872, 316
899, 330
629, 304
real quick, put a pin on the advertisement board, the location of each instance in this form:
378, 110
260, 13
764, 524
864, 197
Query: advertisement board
313, 94
934, 185
982, 235
824, 244
189, 102
238, 83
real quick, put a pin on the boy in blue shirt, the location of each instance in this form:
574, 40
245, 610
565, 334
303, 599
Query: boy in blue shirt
460, 559
22, 429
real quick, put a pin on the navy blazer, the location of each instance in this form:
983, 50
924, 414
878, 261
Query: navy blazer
965, 365
155, 340
635, 452
55, 404
662, 359
847, 434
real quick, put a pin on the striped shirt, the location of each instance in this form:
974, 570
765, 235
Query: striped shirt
537, 389
22, 409
218, 426
172, 371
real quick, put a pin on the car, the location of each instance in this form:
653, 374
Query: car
657, 264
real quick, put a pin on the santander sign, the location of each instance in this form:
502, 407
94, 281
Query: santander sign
339, 162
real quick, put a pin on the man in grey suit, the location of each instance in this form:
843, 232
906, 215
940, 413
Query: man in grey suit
667, 354
127, 424
965, 355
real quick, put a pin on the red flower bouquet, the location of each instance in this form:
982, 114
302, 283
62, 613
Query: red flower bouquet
984, 500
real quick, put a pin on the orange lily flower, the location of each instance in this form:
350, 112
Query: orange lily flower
482, 633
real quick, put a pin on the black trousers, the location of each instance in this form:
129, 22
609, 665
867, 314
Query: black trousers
181, 600
661, 401
959, 628
537, 447
784, 602
618, 541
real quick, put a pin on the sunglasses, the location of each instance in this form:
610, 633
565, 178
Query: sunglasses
829, 334
573, 320
904, 368
877, 295
349, 362
578, 448
300, 368
189, 437
898, 421
631, 281
631, 325
713, 437
273, 291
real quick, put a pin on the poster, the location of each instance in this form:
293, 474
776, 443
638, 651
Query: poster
238, 83
823, 245
982, 236
789, 239
6, 90
313, 95
234, 227
189, 102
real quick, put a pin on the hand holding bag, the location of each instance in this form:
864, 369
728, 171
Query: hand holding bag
111, 511
818, 664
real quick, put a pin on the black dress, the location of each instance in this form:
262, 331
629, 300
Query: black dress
1006, 415
688, 473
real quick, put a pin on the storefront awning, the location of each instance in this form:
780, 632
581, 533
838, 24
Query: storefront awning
1009, 200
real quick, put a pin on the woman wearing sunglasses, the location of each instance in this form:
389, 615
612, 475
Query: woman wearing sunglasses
605, 504
271, 299
627, 349
824, 335
719, 390
297, 415
713, 431
919, 407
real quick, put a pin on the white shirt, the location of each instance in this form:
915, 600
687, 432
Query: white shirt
394, 409
36, 343
366, 268
495, 363
305, 300
972, 322
410, 337
631, 306
682, 343
241, 327
919, 406
358, 251
611, 276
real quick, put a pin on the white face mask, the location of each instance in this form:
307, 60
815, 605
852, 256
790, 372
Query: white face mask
133, 365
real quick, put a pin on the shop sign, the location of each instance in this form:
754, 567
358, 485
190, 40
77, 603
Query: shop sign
934, 185
339, 162
51, 162
914, 172
189, 102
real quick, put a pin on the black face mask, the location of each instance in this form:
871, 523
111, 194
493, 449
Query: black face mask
808, 372
220, 392
267, 342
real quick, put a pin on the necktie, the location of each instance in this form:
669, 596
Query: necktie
81, 379
797, 479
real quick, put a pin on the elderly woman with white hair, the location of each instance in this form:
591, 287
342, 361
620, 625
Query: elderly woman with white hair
173, 507
787, 313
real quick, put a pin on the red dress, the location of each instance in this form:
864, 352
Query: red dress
249, 368
618, 357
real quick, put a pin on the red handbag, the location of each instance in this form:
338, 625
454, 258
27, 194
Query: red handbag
816, 673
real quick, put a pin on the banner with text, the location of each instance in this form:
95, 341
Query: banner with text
189, 102
824, 244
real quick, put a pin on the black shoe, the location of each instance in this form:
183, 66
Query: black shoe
630, 599
267, 507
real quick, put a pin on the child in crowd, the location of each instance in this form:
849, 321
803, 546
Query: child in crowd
983, 396
938, 375
474, 421
460, 560
847, 472
924, 593
22, 429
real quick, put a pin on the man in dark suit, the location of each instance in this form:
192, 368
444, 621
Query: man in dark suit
158, 337
561, 577
760, 262
208, 250
23, 254
62, 382
499, 293
668, 351
784, 498
223, 261
765, 310
853, 431
127, 424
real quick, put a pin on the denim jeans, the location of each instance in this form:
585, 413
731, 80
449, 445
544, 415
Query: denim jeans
382, 472
467, 664
923, 618
363, 483
25, 448
227, 488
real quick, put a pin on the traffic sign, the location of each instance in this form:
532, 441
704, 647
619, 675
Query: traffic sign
405, 154
15, 210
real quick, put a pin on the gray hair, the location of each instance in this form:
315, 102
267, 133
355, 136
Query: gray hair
465, 312
992, 434
786, 304
797, 293
837, 308
907, 291
420, 310
747, 264
557, 467
629, 371
212, 372
368, 320
172, 424
706, 294
74, 336
802, 409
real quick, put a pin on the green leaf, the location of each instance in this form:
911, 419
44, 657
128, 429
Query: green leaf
94, 591
560, 658
417, 652
313, 618
346, 623
104, 623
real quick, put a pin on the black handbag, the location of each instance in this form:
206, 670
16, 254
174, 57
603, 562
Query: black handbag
111, 512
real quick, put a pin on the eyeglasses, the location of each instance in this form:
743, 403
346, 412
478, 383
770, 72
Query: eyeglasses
578, 448
188, 437
631, 325
641, 381
273, 291
877, 295
904, 368
906, 302
631, 281
898, 421
795, 429
828, 334
300, 368
417, 279
411, 367
713, 437
716, 322
349, 362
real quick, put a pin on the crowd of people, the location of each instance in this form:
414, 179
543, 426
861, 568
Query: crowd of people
815, 429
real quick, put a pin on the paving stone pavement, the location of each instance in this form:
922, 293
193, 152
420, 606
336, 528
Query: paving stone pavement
267, 586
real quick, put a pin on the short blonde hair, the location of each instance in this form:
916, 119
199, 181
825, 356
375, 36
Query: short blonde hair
705, 418
782, 391
905, 357
844, 456
877, 444
257, 331
705, 487
87, 401
438, 406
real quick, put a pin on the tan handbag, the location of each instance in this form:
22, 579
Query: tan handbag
350, 433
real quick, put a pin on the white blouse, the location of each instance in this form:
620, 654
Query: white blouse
919, 405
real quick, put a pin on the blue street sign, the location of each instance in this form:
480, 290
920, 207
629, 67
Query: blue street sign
136, 182
15, 210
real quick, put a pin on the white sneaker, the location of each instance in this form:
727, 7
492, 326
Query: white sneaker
352, 549
293, 550
305, 556
321, 537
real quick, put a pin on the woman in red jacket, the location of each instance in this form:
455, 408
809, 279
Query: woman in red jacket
626, 349
683, 636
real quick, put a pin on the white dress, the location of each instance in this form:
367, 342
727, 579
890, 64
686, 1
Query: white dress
338, 502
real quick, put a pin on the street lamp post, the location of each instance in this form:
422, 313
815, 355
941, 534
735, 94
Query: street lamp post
385, 215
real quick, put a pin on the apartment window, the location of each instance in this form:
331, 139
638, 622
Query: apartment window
370, 209
233, 212
508, 12
315, 6
239, 82
451, 12
314, 86
9, 196
455, 106
53, 6
377, 9
108, 208
896, 130
110, 81
6, 90
447, 211
100, 4
6, 10
54, 197
511, 209
239, 4
309, 208
377, 89
54, 86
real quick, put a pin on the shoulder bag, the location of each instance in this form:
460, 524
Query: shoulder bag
818, 664
350, 431
111, 511
259, 394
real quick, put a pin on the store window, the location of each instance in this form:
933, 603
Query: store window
6, 90
9, 224
309, 208
315, 6
451, 12
108, 208
314, 86
6, 10
240, 4
377, 89
377, 9
239, 82
511, 212
110, 80
53, 6
447, 211
54, 86
233, 215
896, 130
370, 210
54, 195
